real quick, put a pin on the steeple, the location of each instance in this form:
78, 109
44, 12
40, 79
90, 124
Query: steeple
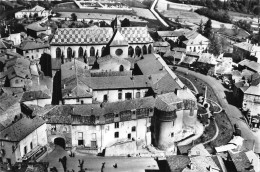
117, 23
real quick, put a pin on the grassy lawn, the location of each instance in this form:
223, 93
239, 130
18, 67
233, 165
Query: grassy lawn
187, 83
208, 134
225, 130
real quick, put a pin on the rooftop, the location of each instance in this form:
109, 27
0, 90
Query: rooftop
20, 129
36, 27
34, 95
136, 35
32, 45
91, 35
178, 162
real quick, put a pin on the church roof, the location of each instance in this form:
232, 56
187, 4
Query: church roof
91, 35
118, 40
136, 35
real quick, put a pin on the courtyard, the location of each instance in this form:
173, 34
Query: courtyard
94, 163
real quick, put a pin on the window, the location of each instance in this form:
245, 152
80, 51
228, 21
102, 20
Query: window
93, 136
128, 96
116, 134
31, 145
129, 136
133, 129
172, 134
26, 51
151, 110
119, 96
116, 115
37, 50
53, 127
117, 125
119, 52
25, 150
16, 81
137, 95
80, 138
80, 52
121, 68
92, 51
105, 98
82, 102
58, 52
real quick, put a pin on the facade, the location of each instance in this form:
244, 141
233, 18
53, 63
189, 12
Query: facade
35, 29
37, 10
21, 140
38, 98
14, 37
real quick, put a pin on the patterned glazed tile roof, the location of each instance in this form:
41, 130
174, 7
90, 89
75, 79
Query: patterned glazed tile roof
136, 35
91, 35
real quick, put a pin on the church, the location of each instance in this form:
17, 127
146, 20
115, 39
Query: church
122, 42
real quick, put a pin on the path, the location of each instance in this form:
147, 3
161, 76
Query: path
233, 112
156, 14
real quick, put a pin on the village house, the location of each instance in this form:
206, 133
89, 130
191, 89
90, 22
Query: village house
172, 35
36, 29
247, 94
194, 42
35, 11
32, 49
39, 98
249, 65
246, 50
161, 47
15, 38
22, 140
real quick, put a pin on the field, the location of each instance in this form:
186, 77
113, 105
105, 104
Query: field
146, 13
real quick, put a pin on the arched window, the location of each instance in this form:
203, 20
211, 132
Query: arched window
137, 51
69, 53
144, 49
80, 53
121, 68
133, 129
130, 51
58, 52
102, 51
149, 49
92, 51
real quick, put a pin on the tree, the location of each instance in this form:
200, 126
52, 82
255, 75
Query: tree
74, 17
125, 23
207, 28
214, 45
235, 29
200, 28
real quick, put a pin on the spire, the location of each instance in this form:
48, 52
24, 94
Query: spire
117, 23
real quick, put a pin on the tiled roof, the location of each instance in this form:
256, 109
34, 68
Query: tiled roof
37, 8
118, 40
19, 71
161, 44
32, 45
34, 95
167, 102
69, 69
241, 161
166, 85
178, 49
59, 114
174, 33
87, 36
36, 27
136, 35
177, 162
202, 164
253, 90
117, 82
175, 54
244, 45
148, 65
22, 128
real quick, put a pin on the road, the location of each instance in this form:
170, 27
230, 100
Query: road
156, 14
233, 112
94, 163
